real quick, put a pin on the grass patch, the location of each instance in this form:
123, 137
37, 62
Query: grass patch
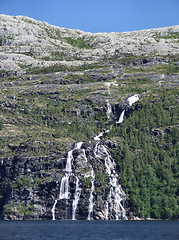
18, 209
79, 42
157, 68
62, 68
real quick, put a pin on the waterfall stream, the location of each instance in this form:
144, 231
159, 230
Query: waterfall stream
90, 208
109, 109
64, 186
133, 99
76, 199
121, 118
113, 206
53, 209
116, 195
92, 174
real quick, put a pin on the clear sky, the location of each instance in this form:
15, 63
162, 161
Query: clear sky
98, 15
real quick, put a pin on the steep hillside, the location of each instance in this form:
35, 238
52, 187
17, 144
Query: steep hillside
88, 122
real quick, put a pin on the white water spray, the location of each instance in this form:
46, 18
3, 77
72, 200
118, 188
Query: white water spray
97, 138
121, 118
76, 199
133, 99
90, 208
64, 186
109, 109
53, 209
116, 194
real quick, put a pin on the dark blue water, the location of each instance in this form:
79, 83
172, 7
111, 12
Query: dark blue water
89, 230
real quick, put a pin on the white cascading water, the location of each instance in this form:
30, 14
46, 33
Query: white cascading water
64, 193
109, 109
64, 186
76, 199
116, 195
121, 118
130, 101
97, 138
90, 208
68, 167
53, 209
133, 99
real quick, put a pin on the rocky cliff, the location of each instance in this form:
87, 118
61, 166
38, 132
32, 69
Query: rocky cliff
88, 122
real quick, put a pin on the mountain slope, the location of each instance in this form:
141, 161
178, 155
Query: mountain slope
60, 87
27, 44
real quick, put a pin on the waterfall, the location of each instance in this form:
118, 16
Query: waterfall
106, 207
76, 199
113, 207
116, 194
133, 99
69, 160
121, 118
90, 208
97, 138
64, 186
78, 145
53, 209
84, 153
109, 109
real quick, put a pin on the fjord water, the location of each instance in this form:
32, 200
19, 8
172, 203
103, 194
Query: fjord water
89, 230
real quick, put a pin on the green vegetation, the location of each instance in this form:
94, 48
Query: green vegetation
54, 68
87, 183
171, 35
21, 182
18, 210
168, 35
79, 42
1, 41
148, 154
158, 68
80, 79
62, 68
101, 178
25, 181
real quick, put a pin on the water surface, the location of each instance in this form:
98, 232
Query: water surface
89, 230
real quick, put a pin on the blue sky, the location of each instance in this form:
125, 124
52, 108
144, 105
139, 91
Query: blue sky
98, 15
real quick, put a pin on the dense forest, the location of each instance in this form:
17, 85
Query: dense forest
147, 157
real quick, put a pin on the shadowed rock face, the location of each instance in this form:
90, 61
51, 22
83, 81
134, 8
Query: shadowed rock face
18, 190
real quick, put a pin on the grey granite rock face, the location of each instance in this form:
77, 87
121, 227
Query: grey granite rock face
27, 44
